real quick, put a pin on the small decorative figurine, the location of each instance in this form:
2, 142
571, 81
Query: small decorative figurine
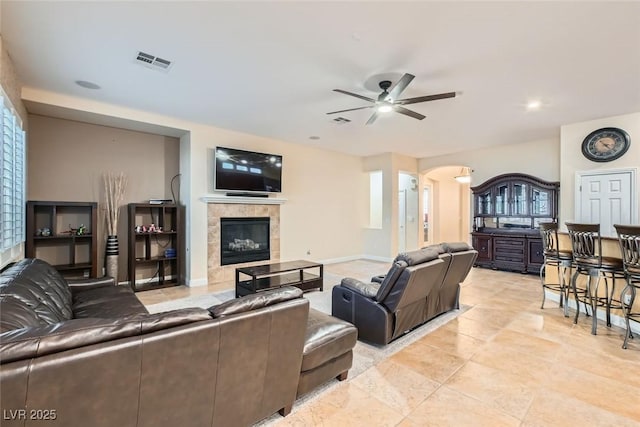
46, 232
152, 228
82, 230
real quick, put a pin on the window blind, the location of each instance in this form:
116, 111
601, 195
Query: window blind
13, 177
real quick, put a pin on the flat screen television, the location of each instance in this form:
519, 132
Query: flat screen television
247, 171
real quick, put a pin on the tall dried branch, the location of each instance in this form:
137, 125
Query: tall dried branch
114, 187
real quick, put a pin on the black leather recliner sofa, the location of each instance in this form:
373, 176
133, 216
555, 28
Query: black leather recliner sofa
419, 286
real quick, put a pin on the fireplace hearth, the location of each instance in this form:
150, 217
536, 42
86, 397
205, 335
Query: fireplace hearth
244, 240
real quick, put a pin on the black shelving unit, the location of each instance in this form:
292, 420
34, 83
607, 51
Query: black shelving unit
49, 236
150, 267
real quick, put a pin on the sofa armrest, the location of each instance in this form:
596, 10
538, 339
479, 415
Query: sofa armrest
369, 290
79, 285
379, 278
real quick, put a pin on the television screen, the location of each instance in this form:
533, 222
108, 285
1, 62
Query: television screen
238, 170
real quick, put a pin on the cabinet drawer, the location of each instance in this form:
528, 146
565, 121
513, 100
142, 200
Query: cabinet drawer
508, 243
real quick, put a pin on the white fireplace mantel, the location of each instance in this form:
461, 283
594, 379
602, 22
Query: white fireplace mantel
244, 200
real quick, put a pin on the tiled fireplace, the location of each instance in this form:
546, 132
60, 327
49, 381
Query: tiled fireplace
216, 271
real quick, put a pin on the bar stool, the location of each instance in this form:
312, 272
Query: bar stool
629, 239
588, 260
554, 257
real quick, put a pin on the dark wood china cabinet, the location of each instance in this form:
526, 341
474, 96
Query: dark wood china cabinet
507, 211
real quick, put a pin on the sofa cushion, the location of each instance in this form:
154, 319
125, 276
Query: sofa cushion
456, 246
46, 339
327, 337
438, 247
40, 287
48, 305
107, 302
14, 314
369, 290
418, 257
390, 279
255, 301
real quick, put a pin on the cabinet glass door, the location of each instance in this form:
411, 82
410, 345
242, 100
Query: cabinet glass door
484, 203
520, 198
502, 199
540, 202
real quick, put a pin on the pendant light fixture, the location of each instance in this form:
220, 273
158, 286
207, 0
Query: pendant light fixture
465, 176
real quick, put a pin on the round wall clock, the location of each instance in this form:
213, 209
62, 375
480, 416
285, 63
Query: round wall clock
606, 144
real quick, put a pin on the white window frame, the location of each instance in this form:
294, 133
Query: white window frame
12, 182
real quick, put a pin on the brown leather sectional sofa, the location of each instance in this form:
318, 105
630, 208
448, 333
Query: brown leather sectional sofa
420, 285
87, 353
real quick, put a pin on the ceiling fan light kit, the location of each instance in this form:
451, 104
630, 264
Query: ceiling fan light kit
388, 100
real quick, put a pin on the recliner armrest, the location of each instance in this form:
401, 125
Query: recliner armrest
379, 278
369, 290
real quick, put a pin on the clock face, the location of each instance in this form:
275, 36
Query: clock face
606, 144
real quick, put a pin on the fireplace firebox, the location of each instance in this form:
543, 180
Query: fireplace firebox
244, 240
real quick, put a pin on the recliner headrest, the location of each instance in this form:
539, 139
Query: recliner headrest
456, 247
438, 247
418, 257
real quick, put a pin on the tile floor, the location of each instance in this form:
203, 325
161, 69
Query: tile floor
503, 362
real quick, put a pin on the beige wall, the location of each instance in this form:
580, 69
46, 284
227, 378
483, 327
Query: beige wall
538, 158
66, 161
383, 243
325, 209
11, 83
12, 87
450, 217
573, 161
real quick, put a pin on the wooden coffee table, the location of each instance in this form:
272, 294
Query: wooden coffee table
301, 274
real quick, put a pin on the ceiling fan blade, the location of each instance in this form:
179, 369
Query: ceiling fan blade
351, 109
373, 117
400, 85
354, 94
406, 112
425, 98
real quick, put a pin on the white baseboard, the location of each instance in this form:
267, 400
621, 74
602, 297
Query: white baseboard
355, 258
602, 315
197, 282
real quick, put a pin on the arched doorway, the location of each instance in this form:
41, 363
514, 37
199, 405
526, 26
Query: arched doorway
446, 205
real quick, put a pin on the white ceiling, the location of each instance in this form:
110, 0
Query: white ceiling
268, 68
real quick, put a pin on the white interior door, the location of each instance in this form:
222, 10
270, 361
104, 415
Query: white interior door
606, 198
402, 220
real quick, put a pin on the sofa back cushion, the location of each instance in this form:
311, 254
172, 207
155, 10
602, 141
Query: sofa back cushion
32, 342
423, 270
40, 287
255, 301
14, 314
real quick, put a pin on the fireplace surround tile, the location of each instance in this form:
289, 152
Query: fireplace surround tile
218, 273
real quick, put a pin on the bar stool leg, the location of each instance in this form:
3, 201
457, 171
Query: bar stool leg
626, 309
561, 283
593, 297
542, 271
575, 294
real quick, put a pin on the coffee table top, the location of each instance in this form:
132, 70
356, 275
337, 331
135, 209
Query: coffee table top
278, 267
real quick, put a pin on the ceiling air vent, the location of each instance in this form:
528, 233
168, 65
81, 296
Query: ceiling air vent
341, 120
153, 62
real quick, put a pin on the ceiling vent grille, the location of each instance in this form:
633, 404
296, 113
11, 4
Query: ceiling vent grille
153, 62
341, 120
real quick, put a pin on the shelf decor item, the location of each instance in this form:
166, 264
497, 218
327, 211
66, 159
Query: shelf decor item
114, 187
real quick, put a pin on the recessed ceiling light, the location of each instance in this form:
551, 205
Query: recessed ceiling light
534, 105
87, 85
314, 137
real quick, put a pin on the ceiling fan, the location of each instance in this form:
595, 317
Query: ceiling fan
388, 100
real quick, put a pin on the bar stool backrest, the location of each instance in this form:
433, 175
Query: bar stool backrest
629, 239
586, 243
549, 233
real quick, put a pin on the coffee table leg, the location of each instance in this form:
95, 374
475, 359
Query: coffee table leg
321, 278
